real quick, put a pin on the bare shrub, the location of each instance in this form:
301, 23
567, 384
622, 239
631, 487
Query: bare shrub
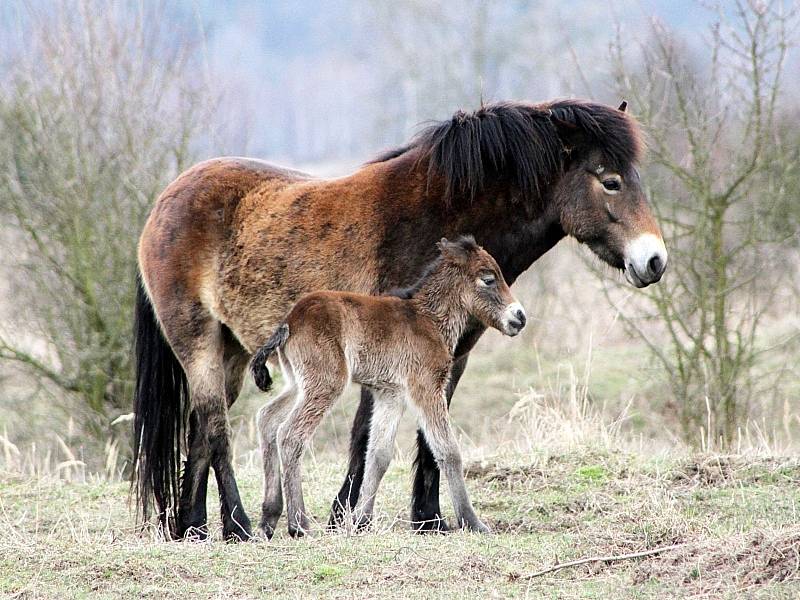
99, 111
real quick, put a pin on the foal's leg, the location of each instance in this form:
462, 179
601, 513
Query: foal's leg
425, 512
359, 442
386, 414
319, 388
435, 422
269, 419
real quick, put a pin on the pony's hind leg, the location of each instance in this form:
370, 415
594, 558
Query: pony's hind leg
269, 419
193, 518
197, 340
386, 414
348, 494
192, 514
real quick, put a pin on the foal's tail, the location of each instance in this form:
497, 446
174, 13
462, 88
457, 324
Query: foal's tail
160, 404
259, 364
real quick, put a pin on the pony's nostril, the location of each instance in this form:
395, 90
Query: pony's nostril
520, 317
655, 265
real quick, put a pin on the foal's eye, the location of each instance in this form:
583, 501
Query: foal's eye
612, 185
487, 280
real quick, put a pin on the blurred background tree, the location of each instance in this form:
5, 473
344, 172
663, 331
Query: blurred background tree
723, 177
97, 115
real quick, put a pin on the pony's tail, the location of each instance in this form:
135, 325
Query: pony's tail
259, 364
160, 404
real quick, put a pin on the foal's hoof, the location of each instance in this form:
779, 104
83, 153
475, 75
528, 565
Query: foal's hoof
435, 525
298, 530
269, 530
268, 522
477, 526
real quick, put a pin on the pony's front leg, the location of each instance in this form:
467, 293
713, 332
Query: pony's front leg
386, 414
435, 422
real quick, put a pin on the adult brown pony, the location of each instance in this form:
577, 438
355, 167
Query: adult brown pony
233, 242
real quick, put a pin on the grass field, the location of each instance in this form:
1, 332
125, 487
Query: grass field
736, 515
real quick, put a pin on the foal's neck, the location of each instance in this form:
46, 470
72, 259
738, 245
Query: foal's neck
439, 299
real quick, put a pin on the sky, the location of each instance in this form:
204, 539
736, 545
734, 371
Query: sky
336, 80
295, 67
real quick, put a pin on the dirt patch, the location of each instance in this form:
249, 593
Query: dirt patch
731, 564
721, 470
490, 471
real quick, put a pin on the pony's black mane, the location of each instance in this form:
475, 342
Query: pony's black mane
523, 144
466, 243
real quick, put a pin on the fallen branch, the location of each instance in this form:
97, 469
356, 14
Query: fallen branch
605, 559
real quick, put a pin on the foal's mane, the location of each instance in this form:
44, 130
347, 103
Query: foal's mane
524, 144
467, 243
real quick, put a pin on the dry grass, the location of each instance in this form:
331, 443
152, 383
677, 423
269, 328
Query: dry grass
737, 515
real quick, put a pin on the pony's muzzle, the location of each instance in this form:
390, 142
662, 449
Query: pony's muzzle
645, 260
514, 319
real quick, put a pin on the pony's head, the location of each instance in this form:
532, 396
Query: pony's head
569, 160
484, 292
599, 196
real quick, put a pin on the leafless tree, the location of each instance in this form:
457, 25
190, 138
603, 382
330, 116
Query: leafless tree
724, 180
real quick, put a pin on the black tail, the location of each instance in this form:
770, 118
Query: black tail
259, 364
160, 405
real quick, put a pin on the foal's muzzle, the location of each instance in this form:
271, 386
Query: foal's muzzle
514, 319
645, 260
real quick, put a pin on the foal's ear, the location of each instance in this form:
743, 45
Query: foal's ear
452, 251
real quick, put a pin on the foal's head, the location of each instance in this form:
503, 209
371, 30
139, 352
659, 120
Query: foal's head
483, 291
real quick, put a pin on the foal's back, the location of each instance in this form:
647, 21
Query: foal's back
379, 338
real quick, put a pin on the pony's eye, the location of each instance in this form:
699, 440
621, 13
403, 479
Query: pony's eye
612, 185
488, 280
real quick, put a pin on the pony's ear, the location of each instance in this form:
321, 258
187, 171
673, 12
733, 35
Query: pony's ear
623, 106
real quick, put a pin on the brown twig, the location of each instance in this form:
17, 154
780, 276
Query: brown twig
605, 559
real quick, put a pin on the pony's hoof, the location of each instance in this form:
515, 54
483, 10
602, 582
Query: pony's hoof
196, 531
234, 537
240, 532
363, 523
336, 520
436, 525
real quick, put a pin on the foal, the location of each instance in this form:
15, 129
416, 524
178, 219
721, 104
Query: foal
401, 348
